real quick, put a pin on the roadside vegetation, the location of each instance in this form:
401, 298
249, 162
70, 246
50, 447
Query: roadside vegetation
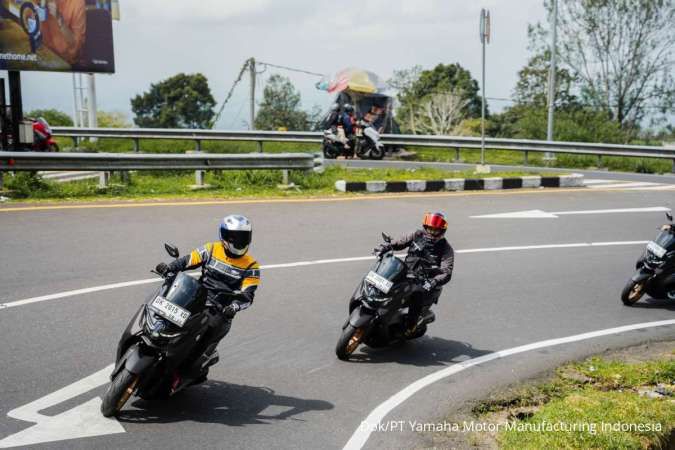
603, 402
225, 184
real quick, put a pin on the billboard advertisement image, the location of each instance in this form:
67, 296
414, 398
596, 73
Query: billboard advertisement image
57, 35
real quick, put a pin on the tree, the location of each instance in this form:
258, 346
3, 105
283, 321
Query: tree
441, 113
54, 117
280, 106
182, 101
114, 119
416, 89
621, 52
533, 80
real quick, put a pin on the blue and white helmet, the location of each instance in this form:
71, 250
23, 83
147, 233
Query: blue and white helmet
235, 234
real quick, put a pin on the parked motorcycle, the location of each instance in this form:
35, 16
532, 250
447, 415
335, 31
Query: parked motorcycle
155, 354
336, 144
368, 144
379, 307
365, 144
655, 270
43, 139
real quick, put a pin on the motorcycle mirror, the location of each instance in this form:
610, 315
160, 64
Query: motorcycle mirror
669, 216
386, 237
171, 250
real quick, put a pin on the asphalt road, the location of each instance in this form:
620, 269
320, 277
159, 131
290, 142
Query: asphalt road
278, 384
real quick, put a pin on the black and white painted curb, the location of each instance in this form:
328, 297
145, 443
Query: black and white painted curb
462, 184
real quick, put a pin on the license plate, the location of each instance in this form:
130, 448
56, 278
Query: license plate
379, 282
656, 249
173, 313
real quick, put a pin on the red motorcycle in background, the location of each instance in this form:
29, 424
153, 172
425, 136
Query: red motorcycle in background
43, 141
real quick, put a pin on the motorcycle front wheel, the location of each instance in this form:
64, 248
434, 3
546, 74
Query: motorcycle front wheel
329, 151
348, 342
632, 292
120, 390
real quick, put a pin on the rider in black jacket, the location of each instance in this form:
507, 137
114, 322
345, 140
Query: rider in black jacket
437, 256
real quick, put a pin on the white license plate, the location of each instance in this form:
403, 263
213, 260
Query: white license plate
379, 282
173, 313
656, 249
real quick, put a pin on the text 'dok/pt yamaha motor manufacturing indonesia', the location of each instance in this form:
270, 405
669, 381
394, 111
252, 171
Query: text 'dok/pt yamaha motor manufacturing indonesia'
156, 354
655, 270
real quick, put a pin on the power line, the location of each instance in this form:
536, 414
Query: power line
229, 94
292, 69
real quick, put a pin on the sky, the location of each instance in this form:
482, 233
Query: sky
156, 39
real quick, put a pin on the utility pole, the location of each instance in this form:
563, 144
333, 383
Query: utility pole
484, 39
251, 68
548, 156
251, 71
91, 103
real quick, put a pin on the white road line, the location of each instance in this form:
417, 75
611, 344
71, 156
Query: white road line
363, 432
666, 187
596, 181
623, 185
124, 284
84, 420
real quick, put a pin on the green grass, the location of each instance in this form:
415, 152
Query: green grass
507, 157
182, 145
595, 419
589, 399
224, 184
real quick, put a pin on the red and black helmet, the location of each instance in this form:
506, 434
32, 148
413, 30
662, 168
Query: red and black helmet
435, 224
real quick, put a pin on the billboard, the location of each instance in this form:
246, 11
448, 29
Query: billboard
57, 35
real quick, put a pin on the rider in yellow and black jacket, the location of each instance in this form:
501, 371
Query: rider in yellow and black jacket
227, 268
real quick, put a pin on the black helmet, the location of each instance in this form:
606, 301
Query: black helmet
348, 108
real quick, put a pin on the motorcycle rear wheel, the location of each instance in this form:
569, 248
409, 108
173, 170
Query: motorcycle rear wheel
348, 342
120, 390
632, 292
376, 153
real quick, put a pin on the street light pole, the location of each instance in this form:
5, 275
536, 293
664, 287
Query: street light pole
484, 39
551, 81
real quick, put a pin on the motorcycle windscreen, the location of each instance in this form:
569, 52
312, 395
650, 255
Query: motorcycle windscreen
390, 268
186, 292
666, 240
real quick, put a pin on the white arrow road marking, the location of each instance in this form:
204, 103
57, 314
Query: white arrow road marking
539, 214
106, 287
362, 433
81, 421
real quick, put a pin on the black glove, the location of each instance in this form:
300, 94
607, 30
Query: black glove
382, 249
429, 285
162, 268
230, 311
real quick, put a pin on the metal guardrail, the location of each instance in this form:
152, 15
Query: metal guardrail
124, 162
18, 161
452, 142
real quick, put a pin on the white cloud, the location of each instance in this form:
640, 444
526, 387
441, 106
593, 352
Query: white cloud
190, 11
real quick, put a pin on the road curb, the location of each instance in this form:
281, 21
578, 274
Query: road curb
462, 184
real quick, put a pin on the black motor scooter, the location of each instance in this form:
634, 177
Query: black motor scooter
379, 307
655, 270
156, 354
